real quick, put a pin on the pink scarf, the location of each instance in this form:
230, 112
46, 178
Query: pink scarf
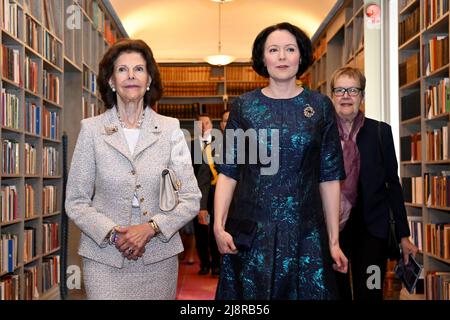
349, 187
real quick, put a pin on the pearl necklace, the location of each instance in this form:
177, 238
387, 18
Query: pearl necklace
138, 124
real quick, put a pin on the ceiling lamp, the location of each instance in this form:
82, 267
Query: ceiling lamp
220, 59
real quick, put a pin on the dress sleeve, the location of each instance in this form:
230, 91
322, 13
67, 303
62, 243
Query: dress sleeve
331, 161
230, 167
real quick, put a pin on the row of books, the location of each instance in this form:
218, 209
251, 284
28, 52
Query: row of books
191, 111
409, 26
410, 105
49, 200
242, 73
437, 144
10, 109
32, 118
51, 274
51, 86
9, 286
89, 80
89, 109
29, 201
50, 124
49, 16
31, 291
11, 165
437, 189
437, 285
174, 73
50, 161
10, 17
32, 33
436, 54
10, 203
9, 258
415, 228
30, 159
437, 239
433, 10
409, 70
411, 147
31, 75
50, 236
413, 189
180, 111
10, 156
191, 89
437, 99
11, 68
236, 88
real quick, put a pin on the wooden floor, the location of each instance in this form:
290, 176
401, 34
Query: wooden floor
192, 286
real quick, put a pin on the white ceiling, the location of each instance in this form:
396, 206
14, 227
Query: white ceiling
187, 30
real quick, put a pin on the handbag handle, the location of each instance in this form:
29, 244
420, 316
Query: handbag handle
173, 180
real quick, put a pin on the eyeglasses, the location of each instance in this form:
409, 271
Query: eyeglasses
352, 91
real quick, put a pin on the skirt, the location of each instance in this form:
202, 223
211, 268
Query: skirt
135, 281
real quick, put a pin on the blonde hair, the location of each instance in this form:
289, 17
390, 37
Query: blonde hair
350, 72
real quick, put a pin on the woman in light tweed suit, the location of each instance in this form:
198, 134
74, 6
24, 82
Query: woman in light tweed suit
129, 246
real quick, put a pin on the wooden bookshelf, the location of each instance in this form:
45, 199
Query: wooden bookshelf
339, 43
424, 123
194, 88
42, 92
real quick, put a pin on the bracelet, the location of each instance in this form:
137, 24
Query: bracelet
112, 236
154, 226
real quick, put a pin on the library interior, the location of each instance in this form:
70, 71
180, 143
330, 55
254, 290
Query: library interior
50, 56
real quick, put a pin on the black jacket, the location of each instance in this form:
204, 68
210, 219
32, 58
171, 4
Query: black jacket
372, 177
203, 174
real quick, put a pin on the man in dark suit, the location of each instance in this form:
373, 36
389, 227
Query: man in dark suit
206, 175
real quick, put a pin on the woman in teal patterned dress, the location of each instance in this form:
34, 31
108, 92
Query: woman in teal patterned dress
296, 207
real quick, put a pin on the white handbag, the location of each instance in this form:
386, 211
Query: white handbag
168, 190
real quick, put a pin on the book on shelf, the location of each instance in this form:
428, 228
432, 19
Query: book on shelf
10, 203
10, 108
10, 156
410, 105
29, 201
437, 190
9, 252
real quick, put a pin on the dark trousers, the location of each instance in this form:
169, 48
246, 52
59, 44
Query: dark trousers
365, 252
205, 241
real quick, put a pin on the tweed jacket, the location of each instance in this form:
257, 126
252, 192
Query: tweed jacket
104, 177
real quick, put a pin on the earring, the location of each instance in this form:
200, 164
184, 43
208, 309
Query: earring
113, 89
148, 88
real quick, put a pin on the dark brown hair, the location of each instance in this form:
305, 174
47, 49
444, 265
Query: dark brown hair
303, 43
106, 69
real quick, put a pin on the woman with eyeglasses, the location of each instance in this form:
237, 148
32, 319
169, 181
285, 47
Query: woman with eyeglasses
364, 212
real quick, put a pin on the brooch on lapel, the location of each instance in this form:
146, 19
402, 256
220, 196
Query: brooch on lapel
308, 111
111, 130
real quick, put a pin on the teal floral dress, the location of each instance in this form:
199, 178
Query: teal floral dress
290, 256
